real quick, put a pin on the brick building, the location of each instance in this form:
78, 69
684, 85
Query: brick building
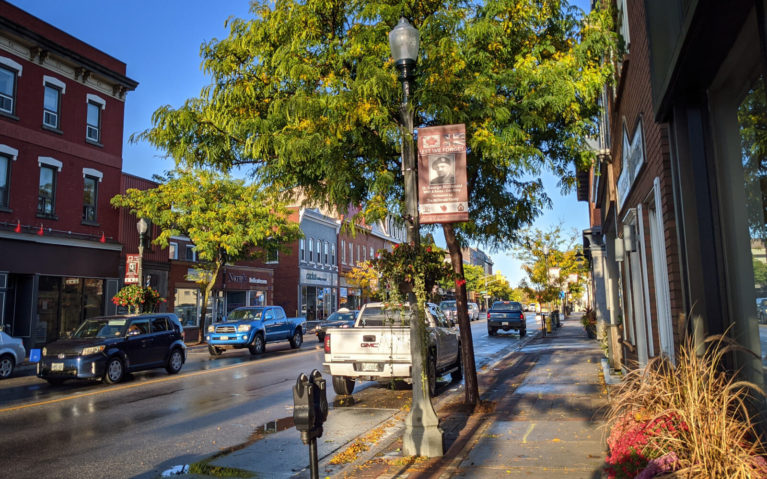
61, 137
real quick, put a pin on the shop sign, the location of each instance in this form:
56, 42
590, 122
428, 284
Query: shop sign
309, 276
131, 268
243, 279
442, 186
632, 159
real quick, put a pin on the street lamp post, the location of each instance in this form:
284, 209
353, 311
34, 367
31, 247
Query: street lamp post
141, 227
422, 434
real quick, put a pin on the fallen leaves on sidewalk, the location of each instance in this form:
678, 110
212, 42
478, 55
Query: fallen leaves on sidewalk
351, 453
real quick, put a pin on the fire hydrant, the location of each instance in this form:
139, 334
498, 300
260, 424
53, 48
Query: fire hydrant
548, 323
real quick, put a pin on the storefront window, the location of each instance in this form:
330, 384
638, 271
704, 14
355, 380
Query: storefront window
63, 303
185, 306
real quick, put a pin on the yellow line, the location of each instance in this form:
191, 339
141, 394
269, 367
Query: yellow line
143, 383
529, 430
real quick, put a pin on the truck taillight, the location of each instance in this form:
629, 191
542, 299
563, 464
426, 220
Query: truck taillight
327, 343
488, 315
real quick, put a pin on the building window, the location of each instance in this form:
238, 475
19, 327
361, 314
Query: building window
5, 180
319, 251
272, 256
9, 70
93, 126
90, 194
53, 89
301, 249
359, 253
191, 254
47, 191
311, 250
351, 254
343, 251
333, 255
371, 253
172, 250
325, 247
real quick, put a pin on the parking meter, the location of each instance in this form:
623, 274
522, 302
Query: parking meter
304, 407
321, 399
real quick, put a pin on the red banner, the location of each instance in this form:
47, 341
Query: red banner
443, 195
131, 268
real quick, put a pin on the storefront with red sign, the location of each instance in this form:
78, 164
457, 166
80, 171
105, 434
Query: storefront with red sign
247, 286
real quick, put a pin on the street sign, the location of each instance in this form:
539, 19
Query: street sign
562, 294
131, 268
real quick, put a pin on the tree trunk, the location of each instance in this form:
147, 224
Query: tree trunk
208, 287
467, 344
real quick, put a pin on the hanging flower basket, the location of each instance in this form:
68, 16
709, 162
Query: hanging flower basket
138, 299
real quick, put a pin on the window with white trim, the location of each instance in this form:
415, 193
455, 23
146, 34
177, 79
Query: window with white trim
311, 250
302, 249
343, 251
46, 194
9, 70
53, 88
5, 180
319, 251
191, 253
93, 122
351, 254
272, 256
90, 196
172, 250
325, 247
333, 255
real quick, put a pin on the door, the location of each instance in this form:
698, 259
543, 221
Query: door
162, 337
139, 343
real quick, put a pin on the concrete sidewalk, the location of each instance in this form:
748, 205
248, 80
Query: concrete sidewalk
540, 417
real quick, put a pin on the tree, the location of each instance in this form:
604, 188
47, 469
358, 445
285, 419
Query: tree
226, 220
321, 111
542, 253
365, 277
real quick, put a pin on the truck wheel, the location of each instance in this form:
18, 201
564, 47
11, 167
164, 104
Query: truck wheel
343, 385
457, 375
491, 331
431, 375
297, 339
522, 332
214, 351
321, 337
257, 346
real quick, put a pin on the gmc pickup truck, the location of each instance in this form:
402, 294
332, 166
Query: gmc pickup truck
378, 348
506, 315
252, 327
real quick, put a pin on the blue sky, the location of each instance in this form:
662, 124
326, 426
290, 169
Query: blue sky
160, 43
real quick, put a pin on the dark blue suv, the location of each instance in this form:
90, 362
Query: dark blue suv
109, 347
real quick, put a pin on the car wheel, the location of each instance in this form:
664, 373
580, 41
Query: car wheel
175, 361
214, 351
257, 346
55, 381
431, 375
6, 365
522, 332
321, 337
491, 331
297, 339
457, 375
115, 371
343, 385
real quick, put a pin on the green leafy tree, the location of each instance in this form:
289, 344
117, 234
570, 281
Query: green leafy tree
226, 219
320, 111
365, 277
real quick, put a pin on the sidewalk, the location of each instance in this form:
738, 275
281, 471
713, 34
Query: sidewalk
539, 418
542, 418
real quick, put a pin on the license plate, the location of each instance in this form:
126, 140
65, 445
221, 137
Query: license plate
224, 338
370, 367
57, 366
505, 323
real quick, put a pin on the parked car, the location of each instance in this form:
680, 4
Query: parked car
252, 327
761, 310
449, 310
12, 352
506, 315
378, 348
106, 348
343, 318
532, 307
473, 311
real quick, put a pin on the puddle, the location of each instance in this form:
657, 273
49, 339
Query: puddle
175, 471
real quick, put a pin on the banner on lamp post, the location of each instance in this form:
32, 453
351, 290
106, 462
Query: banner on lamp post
443, 195
131, 268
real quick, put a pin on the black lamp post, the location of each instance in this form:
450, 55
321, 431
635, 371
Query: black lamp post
141, 227
422, 435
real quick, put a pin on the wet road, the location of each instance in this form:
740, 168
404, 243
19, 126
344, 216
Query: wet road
154, 421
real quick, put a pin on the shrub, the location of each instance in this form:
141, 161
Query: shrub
691, 417
589, 322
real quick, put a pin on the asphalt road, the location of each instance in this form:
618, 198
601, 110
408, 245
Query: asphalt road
154, 421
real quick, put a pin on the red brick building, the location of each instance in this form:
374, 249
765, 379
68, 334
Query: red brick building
61, 137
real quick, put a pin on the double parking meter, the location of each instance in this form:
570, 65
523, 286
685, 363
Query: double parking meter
310, 405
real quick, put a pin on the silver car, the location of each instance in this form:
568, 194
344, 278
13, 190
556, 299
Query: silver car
12, 352
473, 312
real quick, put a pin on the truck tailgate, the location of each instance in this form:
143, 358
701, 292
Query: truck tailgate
375, 344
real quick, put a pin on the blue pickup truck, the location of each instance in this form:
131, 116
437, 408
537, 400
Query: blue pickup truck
252, 327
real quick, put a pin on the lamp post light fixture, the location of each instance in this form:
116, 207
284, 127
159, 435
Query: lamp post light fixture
141, 227
422, 434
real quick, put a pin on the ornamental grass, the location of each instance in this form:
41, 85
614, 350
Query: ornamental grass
691, 419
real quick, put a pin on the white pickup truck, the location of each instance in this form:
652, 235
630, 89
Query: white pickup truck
378, 348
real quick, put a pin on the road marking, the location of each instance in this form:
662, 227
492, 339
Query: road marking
529, 430
147, 383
